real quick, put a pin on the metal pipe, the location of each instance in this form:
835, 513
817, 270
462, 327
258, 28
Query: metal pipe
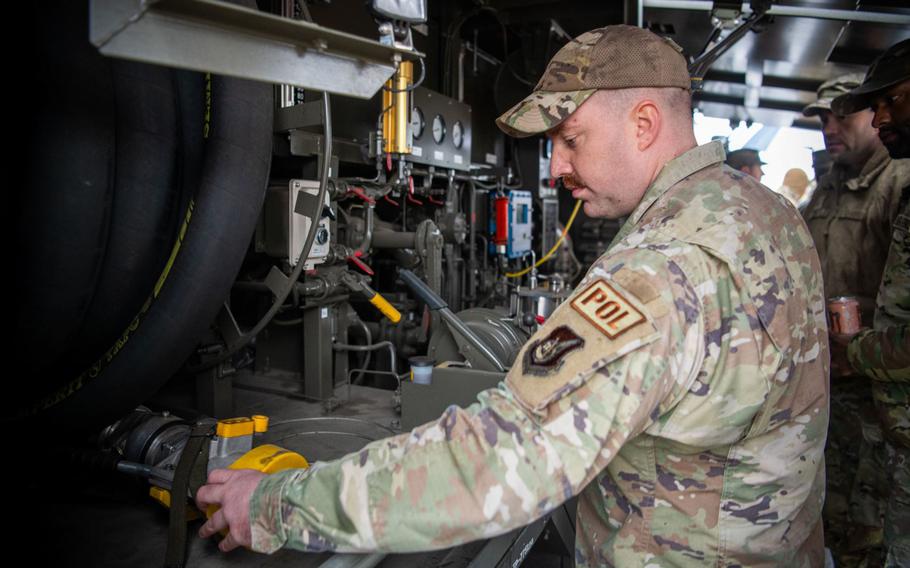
790, 11
364, 246
392, 357
368, 341
394, 240
472, 245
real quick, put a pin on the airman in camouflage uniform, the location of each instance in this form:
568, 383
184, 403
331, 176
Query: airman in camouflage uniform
850, 216
883, 353
680, 392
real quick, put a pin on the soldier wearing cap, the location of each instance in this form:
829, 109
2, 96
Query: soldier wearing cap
746, 160
850, 216
680, 391
883, 353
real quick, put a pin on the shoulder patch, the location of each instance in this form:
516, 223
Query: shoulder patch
577, 341
606, 309
546, 355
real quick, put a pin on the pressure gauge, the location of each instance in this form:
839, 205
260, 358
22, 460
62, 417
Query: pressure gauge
417, 122
457, 134
439, 129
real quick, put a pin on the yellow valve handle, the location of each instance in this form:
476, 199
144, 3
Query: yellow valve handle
387, 309
266, 458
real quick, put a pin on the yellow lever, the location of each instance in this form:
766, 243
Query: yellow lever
387, 309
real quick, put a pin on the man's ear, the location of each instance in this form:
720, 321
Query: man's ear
648, 122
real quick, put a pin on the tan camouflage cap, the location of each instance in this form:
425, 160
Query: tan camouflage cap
614, 57
831, 89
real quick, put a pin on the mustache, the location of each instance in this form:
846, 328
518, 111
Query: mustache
572, 182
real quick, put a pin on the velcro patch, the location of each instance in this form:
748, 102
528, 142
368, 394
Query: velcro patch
547, 354
553, 364
606, 309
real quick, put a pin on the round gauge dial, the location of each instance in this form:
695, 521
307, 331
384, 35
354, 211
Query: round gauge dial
439, 129
458, 134
417, 122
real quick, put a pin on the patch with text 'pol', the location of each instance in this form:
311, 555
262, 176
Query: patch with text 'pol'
606, 309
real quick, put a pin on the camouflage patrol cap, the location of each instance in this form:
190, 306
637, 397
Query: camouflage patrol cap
831, 89
891, 68
613, 57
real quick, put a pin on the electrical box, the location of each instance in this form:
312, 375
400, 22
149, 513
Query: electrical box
510, 224
282, 232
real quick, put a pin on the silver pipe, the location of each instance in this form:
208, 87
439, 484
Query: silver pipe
373, 347
791, 11
368, 230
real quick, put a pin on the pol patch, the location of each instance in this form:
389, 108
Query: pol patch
547, 354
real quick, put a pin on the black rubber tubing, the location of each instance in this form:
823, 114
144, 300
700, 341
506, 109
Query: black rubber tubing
232, 189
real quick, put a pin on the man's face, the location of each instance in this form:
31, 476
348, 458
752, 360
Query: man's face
850, 139
892, 118
754, 170
594, 151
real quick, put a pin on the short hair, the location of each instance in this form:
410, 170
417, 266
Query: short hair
675, 100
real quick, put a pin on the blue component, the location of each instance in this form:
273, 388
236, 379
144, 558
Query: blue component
521, 206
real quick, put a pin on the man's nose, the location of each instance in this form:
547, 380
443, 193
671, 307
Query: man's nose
559, 165
831, 127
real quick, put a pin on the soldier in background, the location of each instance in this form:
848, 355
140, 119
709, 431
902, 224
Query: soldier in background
680, 392
883, 353
746, 160
850, 216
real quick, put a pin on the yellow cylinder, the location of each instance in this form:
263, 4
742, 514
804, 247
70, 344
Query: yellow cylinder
387, 309
395, 106
260, 423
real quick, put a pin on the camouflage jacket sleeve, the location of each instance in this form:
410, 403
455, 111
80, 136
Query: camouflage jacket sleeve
573, 397
883, 355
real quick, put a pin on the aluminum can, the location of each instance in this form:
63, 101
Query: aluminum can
844, 315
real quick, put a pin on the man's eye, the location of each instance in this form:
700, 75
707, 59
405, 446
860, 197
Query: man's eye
895, 99
570, 142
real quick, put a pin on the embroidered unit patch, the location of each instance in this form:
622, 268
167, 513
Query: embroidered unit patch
547, 354
606, 309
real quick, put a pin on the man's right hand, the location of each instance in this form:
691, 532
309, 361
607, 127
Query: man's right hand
231, 491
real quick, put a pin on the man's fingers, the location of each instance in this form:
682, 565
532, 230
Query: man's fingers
216, 524
228, 543
221, 475
210, 494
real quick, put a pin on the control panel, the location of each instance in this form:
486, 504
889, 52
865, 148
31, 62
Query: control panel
440, 129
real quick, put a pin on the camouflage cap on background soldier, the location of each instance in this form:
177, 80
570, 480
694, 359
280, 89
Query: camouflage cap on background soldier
891, 68
590, 62
831, 89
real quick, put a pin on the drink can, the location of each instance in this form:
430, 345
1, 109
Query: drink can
844, 314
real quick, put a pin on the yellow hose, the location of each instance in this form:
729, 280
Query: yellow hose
553, 250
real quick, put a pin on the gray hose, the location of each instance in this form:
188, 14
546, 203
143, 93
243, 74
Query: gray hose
245, 338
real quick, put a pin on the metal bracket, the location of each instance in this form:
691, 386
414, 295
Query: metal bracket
213, 36
276, 281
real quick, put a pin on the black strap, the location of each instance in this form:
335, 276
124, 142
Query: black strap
188, 478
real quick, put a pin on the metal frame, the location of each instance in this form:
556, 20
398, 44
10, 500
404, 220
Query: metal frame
791, 11
212, 36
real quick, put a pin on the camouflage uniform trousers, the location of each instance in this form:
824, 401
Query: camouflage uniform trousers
856, 480
897, 515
